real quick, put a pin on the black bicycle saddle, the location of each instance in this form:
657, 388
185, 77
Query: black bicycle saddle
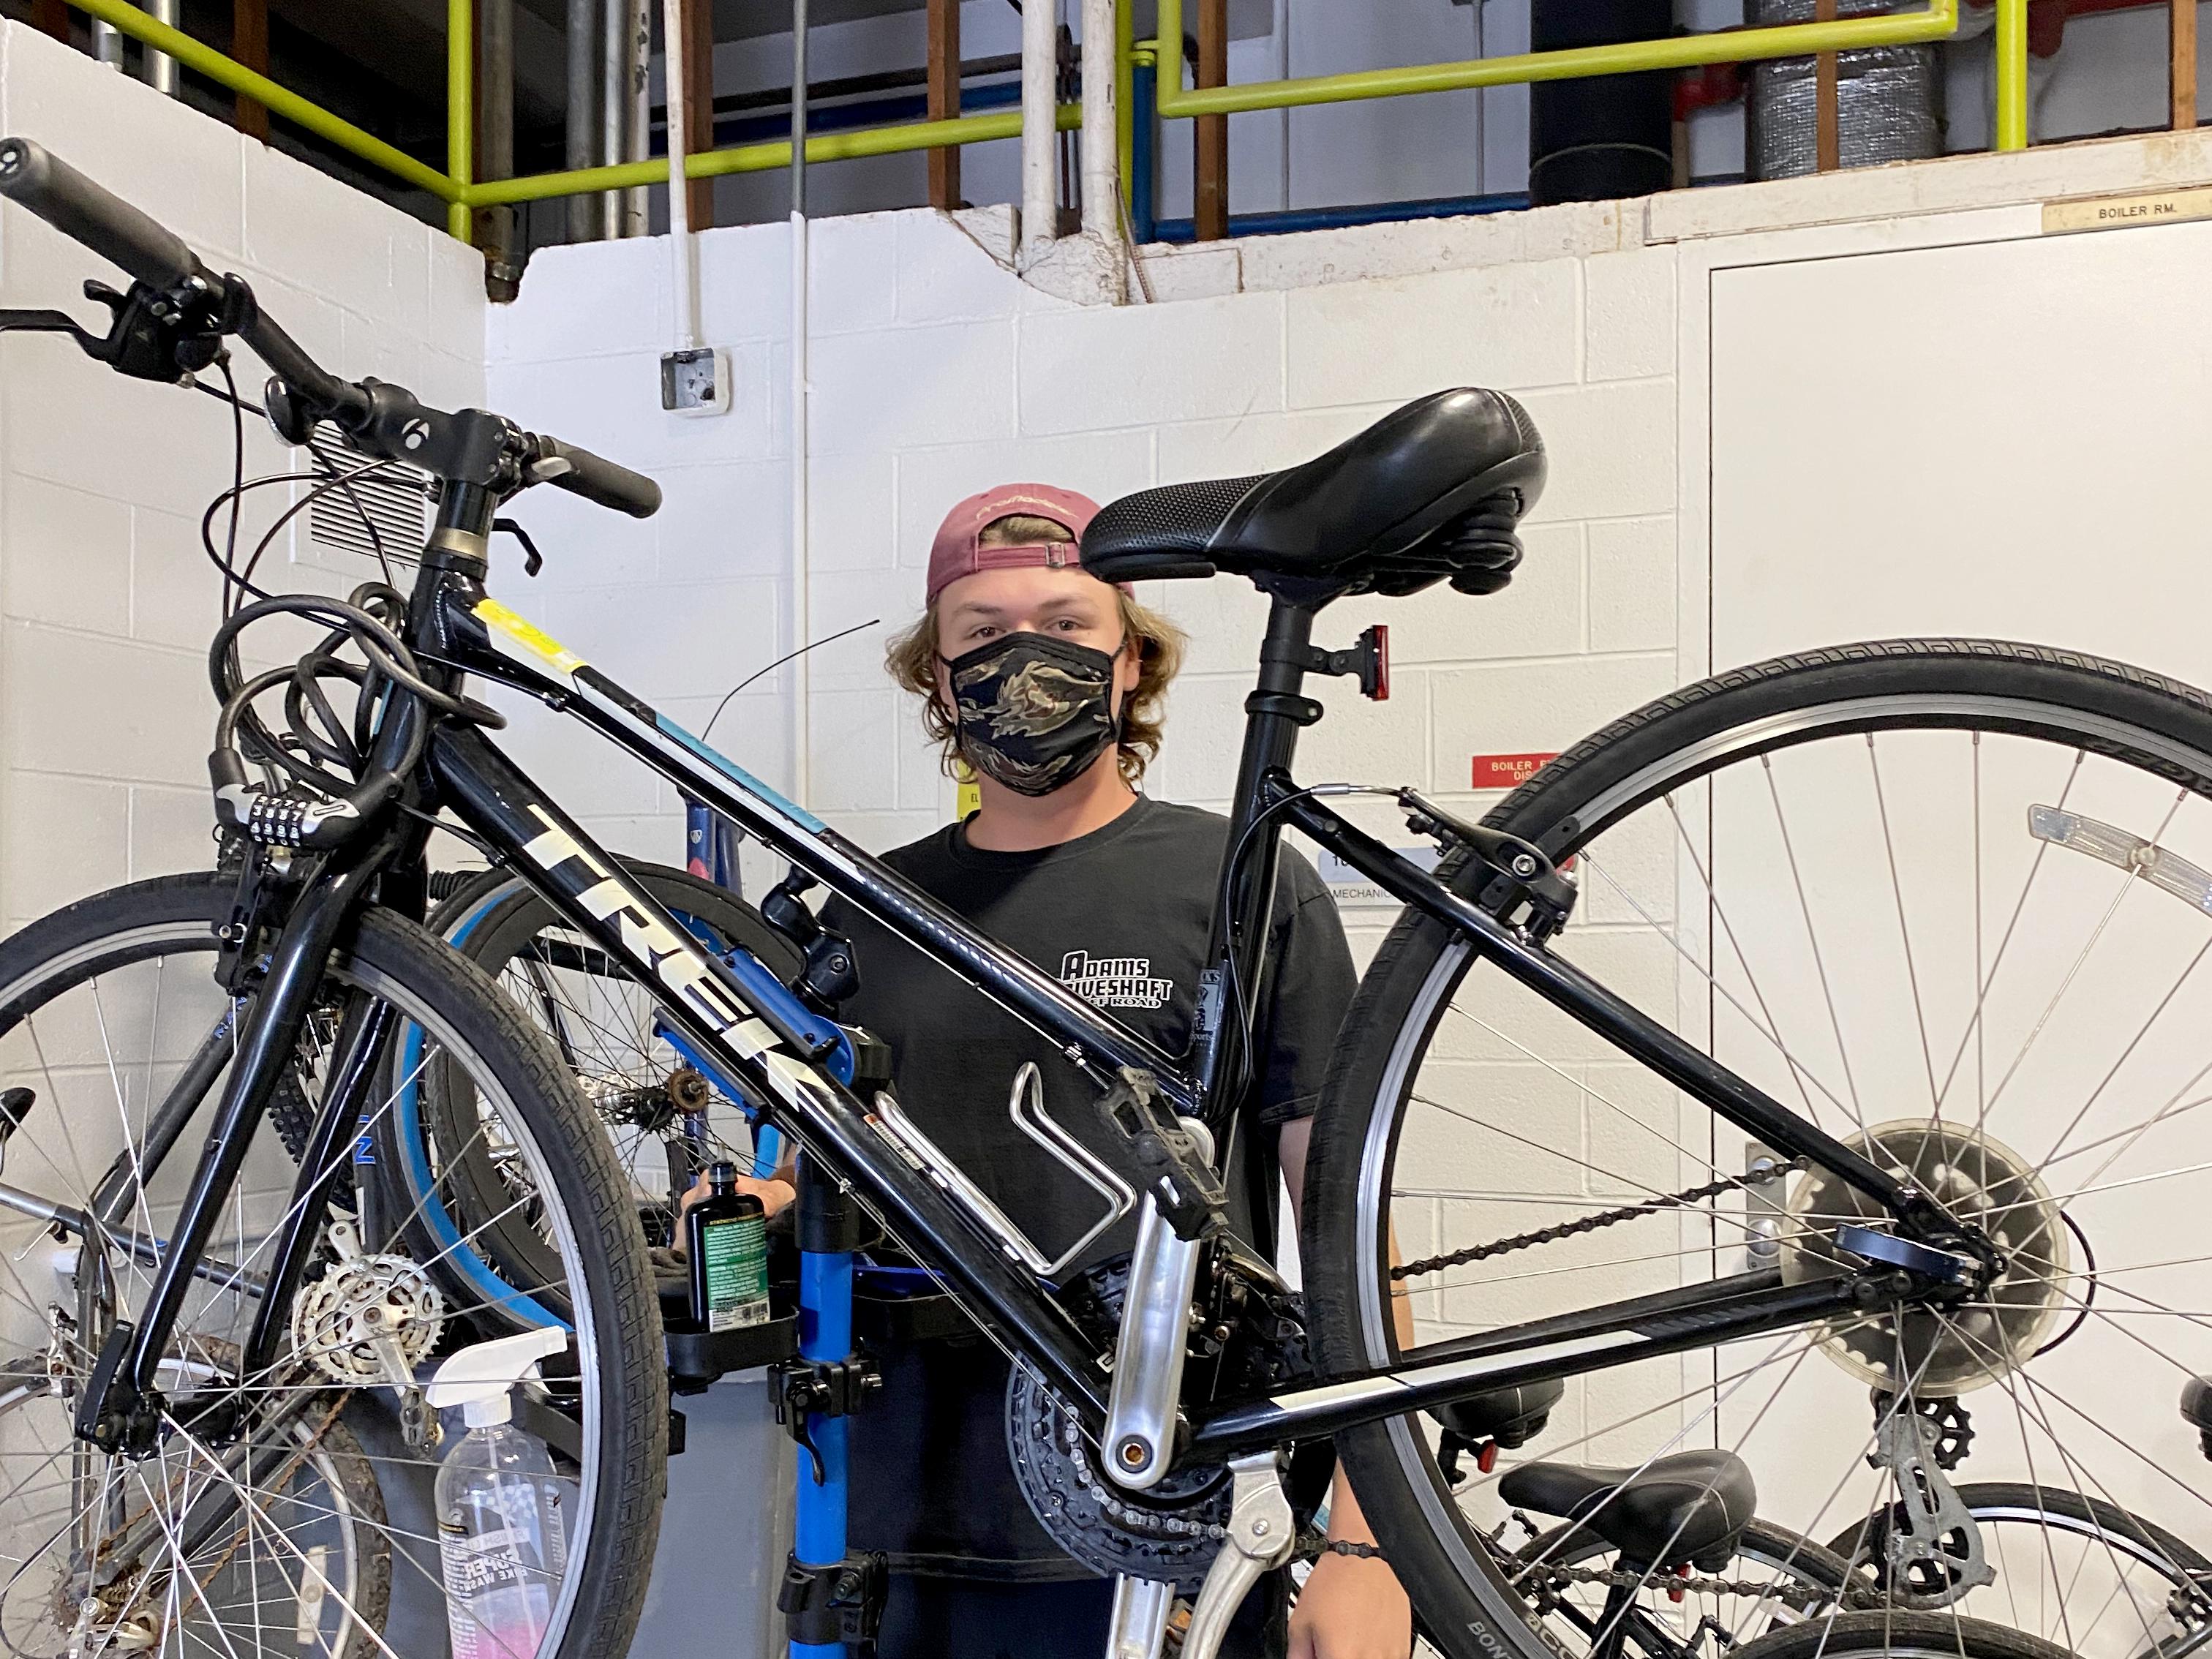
1692, 1506
1430, 493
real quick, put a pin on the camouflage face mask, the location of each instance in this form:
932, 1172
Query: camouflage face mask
1033, 710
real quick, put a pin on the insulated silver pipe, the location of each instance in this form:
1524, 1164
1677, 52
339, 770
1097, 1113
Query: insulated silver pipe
583, 113
1102, 168
802, 577
160, 69
614, 105
1040, 137
638, 134
107, 43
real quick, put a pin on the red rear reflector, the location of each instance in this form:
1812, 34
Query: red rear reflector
1381, 662
1486, 1459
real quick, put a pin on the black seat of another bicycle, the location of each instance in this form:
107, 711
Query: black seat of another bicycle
1690, 1505
1392, 509
1510, 1416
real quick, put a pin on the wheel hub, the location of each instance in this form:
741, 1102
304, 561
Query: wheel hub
1979, 1183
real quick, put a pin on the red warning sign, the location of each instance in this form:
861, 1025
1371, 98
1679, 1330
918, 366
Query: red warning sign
1507, 771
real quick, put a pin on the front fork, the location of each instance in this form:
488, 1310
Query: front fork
120, 1410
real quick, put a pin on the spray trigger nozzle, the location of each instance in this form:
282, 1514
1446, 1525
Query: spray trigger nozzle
480, 1377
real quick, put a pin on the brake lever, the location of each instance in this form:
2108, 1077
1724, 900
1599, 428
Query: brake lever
151, 336
46, 322
532, 560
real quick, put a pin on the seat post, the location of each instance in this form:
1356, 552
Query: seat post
1273, 714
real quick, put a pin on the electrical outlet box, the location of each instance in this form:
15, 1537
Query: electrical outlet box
695, 382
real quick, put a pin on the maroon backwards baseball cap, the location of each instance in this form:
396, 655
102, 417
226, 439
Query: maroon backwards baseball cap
958, 551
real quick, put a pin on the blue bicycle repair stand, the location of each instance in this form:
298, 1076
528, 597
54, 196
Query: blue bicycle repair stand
831, 1600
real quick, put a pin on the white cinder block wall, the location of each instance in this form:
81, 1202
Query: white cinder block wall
934, 372
107, 599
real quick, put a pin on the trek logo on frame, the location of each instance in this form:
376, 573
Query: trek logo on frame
676, 960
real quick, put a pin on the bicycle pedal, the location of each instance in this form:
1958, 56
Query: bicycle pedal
1168, 1162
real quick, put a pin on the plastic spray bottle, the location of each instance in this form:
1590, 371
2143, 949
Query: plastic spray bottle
500, 1531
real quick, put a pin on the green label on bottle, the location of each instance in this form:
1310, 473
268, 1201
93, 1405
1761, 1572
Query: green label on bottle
734, 1254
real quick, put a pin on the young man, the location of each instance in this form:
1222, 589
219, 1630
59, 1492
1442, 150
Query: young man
1049, 683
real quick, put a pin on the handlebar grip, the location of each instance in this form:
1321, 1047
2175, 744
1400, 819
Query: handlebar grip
596, 478
37, 179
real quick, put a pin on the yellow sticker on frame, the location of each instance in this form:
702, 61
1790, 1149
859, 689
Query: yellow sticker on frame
533, 639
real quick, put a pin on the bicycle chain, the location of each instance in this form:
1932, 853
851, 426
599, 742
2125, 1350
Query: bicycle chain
1588, 1223
1807, 1592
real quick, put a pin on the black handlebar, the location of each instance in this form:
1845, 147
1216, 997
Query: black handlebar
387, 420
103, 221
594, 478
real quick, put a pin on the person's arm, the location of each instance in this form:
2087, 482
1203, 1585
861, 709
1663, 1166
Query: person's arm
1353, 1607
774, 1191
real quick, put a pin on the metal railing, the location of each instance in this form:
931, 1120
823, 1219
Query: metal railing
462, 192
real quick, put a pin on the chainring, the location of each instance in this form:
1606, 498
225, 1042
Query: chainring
1173, 1531
1170, 1532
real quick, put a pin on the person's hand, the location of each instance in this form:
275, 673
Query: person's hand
774, 1194
1351, 1608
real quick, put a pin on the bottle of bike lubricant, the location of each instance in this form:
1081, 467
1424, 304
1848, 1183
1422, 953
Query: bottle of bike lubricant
726, 1238
502, 1532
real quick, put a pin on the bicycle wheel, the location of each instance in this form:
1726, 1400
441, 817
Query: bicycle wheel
2076, 1569
278, 1534
1899, 1636
662, 1115
1941, 898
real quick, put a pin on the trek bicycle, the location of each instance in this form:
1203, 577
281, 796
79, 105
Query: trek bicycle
1916, 1253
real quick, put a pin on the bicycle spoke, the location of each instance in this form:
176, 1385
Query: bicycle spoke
1904, 932
1812, 938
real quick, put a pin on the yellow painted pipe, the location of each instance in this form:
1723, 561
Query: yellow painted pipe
127, 19
1938, 21
2012, 73
766, 158
460, 112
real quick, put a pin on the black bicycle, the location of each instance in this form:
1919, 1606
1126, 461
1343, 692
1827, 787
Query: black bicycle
388, 1160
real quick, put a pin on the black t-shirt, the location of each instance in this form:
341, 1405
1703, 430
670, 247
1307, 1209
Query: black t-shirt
1120, 916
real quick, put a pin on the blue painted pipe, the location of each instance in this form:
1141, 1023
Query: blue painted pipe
825, 1333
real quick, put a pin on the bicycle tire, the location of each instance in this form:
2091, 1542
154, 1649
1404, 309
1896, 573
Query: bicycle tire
625, 1442
1897, 1635
2098, 707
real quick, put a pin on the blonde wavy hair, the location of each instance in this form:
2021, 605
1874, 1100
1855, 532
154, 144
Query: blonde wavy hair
912, 658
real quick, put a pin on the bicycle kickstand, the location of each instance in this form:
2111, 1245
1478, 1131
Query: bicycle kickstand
1261, 1531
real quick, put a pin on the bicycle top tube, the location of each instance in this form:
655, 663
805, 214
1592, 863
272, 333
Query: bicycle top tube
484, 636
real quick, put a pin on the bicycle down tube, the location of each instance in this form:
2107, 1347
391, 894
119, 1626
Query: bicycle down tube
758, 1035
